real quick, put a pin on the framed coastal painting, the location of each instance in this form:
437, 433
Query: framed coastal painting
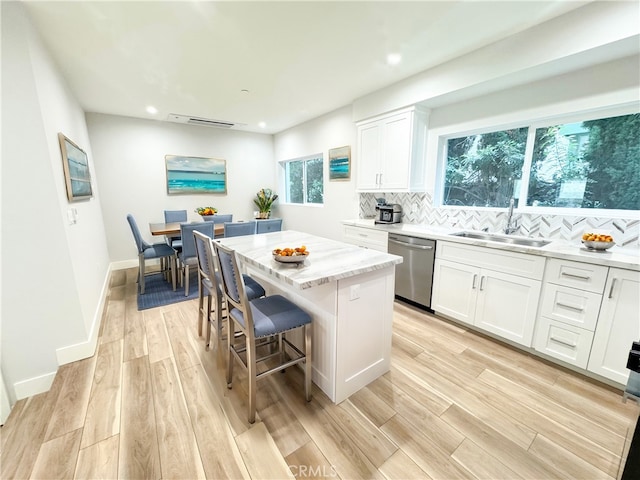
76, 170
340, 163
195, 175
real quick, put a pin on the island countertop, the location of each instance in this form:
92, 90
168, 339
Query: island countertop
328, 260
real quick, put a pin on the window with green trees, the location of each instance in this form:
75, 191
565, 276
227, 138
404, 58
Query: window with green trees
593, 164
304, 179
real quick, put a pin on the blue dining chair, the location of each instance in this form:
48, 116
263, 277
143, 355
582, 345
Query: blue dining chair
148, 251
270, 225
209, 286
188, 256
271, 316
235, 229
219, 218
175, 216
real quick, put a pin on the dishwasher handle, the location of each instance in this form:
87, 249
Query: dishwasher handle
411, 245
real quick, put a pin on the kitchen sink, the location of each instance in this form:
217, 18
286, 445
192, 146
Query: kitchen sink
494, 237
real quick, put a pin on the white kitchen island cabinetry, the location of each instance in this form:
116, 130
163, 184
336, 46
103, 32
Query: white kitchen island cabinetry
391, 151
496, 291
618, 325
349, 293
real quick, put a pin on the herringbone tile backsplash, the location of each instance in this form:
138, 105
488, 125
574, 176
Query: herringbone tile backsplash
418, 208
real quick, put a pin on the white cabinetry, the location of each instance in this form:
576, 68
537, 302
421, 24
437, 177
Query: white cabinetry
497, 291
618, 325
366, 237
391, 151
569, 308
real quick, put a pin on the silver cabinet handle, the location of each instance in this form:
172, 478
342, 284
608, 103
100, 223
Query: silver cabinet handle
574, 275
409, 245
572, 307
613, 284
473, 284
481, 283
363, 235
380, 180
563, 342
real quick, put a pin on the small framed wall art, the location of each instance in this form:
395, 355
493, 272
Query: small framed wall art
340, 163
195, 175
76, 170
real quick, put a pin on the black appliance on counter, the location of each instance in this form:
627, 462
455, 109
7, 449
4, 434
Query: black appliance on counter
389, 213
414, 276
632, 464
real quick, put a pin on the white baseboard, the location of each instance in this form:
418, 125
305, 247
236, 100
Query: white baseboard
86, 349
33, 386
78, 351
121, 265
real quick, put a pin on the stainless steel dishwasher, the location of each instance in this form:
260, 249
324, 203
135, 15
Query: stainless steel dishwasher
414, 275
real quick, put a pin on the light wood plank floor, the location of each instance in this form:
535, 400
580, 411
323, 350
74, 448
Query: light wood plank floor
152, 403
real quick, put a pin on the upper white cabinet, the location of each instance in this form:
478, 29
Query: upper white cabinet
391, 151
618, 325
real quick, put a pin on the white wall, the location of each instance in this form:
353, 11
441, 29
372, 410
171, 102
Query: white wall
129, 160
53, 274
336, 129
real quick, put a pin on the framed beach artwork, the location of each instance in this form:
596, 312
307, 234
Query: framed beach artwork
195, 175
76, 170
340, 163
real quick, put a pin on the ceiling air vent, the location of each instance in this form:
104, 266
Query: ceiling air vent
205, 122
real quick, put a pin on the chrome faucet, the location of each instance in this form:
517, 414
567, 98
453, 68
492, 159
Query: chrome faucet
512, 225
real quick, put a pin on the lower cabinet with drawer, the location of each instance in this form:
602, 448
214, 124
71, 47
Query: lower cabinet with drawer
366, 237
563, 341
569, 308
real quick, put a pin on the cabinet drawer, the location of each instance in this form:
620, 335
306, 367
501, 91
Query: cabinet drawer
366, 237
564, 342
577, 274
514, 263
570, 305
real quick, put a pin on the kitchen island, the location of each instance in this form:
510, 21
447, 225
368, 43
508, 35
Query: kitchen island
348, 291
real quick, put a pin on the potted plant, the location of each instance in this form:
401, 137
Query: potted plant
206, 213
264, 199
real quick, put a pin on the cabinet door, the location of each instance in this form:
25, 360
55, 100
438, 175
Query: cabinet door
455, 289
507, 305
396, 151
369, 144
618, 325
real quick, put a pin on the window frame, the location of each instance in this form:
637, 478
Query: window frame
285, 179
532, 125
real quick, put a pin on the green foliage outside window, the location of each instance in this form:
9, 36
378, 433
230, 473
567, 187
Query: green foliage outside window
304, 180
592, 164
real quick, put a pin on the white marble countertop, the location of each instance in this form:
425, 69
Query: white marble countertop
328, 260
627, 257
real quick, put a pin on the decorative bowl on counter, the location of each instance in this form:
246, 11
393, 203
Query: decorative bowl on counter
597, 241
290, 255
290, 259
595, 245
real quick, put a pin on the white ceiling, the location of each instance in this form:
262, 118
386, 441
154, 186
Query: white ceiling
298, 60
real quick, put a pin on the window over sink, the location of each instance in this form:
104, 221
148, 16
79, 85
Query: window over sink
591, 164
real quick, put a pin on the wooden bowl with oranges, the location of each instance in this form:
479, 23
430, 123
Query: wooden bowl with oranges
597, 241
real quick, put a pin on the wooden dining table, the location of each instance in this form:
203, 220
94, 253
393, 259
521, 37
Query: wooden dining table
173, 228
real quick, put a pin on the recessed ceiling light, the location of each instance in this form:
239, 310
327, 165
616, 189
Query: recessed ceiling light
394, 59
152, 110
244, 90
262, 124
